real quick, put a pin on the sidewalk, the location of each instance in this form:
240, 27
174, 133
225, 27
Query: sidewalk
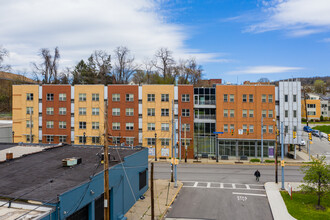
276, 201
164, 194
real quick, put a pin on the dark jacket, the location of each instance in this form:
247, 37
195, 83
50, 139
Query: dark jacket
257, 173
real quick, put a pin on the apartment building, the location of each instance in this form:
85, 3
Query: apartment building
313, 109
246, 116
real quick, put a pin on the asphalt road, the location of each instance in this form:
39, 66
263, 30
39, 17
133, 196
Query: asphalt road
320, 146
222, 191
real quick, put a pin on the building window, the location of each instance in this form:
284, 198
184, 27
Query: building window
130, 140
50, 138
225, 97
115, 97
311, 105
151, 97
263, 98
95, 125
185, 126
28, 138
286, 129
29, 110
82, 97
82, 140
129, 97
294, 98
50, 97
129, 112
50, 111
244, 99
286, 113
244, 113
270, 113
165, 126
151, 126
185, 142
62, 124
151, 112
232, 127
115, 126
294, 113
95, 111
29, 124
62, 111
225, 128
185, 112
116, 111
251, 129
165, 97
270, 129
165, 142
225, 113
264, 129
264, 113
294, 128
95, 97
29, 96
62, 139
129, 126
95, 140
49, 124
151, 141
286, 98
231, 97
185, 98
165, 112
250, 98
244, 128
251, 113
311, 113
116, 140
82, 111
82, 125
62, 97
232, 113
270, 98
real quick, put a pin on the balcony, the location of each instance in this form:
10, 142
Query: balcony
205, 116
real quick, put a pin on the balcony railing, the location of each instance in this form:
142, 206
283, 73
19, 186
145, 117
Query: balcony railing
204, 116
205, 102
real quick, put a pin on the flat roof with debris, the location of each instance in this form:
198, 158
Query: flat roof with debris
41, 176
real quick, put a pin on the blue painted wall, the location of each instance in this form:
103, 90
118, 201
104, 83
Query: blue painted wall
124, 184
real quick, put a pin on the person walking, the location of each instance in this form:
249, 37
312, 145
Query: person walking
257, 175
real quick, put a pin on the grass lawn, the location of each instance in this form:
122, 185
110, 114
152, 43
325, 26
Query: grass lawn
317, 122
323, 128
302, 206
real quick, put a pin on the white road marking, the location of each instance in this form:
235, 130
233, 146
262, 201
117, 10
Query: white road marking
208, 185
234, 186
196, 183
221, 185
247, 186
248, 194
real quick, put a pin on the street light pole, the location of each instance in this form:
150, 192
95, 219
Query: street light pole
282, 154
155, 146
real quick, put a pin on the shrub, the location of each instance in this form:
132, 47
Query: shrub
321, 118
303, 119
269, 161
254, 160
326, 118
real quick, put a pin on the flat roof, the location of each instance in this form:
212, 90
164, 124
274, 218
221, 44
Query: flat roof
41, 176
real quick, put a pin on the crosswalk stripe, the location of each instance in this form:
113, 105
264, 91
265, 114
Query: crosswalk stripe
248, 194
208, 185
234, 186
196, 183
247, 186
221, 185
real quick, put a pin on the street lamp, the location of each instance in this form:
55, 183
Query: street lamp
155, 146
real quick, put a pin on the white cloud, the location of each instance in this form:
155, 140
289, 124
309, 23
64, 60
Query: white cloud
78, 27
298, 17
263, 70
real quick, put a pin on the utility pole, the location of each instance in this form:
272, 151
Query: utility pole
31, 123
152, 192
262, 138
217, 148
106, 165
276, 167
282, 154
175, 156
185, 142
180, 130
155, 146
13, 133
172, 178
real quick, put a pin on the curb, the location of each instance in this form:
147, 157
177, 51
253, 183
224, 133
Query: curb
168, 206
243, 163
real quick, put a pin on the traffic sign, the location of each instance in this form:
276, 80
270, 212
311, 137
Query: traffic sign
240, 131
218, 132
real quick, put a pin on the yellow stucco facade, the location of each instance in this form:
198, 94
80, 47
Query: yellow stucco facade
21, 100
157, 119
89, 118
314, 113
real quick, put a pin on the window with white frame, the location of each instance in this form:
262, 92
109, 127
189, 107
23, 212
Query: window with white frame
250, 98
29, 110
165, 142
311, 113
270, 129
244, 128
151, 97
50, 138
225, 113
129, 97
232, 127
82, 140
270, 98
28, 138
165, 112
185, 142
49, 124
115, 126
95, 125
62, 124
225, 128
29, 124
270, 113
151, 126
263, 98
185, 112
311, 106
151, 141
62, 139
186, 126
116, 97
225, 97
251, 129
251, 113
165, 97
129, 140
95, 140
130, 126
231, 97
115, 140
82, 125
151, 112
244, 98
244, 111
264, 129
129, 112
29, 96
50, 97
82, 97
232, 113
62, 111
264, 113
95, 111
95, 97
116, 111
82, 111
185, 97
50, 111
165, 126
62, 97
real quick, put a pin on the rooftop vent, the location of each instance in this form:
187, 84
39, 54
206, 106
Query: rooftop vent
70, 162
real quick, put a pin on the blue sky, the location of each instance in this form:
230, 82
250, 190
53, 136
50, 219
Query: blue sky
235, 40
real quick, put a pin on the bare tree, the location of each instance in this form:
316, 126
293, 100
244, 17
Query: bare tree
100, 62
195, 71
164, 62
148, 67
48, 68
3, 54
124, 65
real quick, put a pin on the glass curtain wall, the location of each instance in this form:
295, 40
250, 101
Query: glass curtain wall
204, 139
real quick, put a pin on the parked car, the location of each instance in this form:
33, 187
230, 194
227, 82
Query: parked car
316, 133
303, 142
308, 129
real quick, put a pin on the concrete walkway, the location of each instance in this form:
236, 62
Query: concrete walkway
164, 193
276, 201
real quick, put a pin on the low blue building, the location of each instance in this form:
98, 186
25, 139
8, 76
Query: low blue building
76, 191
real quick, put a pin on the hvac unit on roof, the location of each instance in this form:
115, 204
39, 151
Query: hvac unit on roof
69, 162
